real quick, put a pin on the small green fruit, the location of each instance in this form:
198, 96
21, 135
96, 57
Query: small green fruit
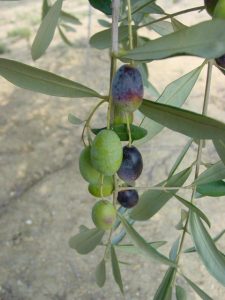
103, 214
87, 171
107, 187
219, 11
120, 116
106, 152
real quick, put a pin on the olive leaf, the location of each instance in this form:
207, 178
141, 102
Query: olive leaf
152, 201
86, 240
46, 30
41, 81
116, 269
212, 189
74, 120
164, 291
180, 293
197, 289
104, 6
214, 173
137, 132
100, 273
220, 148
144, 247
205, 39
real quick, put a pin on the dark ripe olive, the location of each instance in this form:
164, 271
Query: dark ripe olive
221, 61
132, 164
128, 198
210, 5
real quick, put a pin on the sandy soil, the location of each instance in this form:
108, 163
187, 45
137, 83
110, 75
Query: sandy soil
43, 199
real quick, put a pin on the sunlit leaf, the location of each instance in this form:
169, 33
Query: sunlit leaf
206, 248
152, 201
100, 273
177, 25
116, 269
46, 30
186, 122
87, 240
205, 39
144, 247
197, 289
41, 81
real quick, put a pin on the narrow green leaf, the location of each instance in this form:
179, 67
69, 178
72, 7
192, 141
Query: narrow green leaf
197, 289
130, 248
183, 121
87, 240
45, 8
100, 273
175, 94
183, 218
206, 248
212, 189
41, 81
153, 200
174, 249
164, 291
180, 158
102, 40
161, 27
67, 17
46, 30
104, 6
220, 148
74, 120
215, 239
137, 132
180, 293
205, 39
194, 209
145, 248
64, 37
214, 173
116, 269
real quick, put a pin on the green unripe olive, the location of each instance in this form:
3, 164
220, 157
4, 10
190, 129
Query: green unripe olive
219, 11
88, 172
107, 187
120, 116
106, 152
103, 214
210, 6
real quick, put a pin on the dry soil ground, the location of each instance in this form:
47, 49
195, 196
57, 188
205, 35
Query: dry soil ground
43, 199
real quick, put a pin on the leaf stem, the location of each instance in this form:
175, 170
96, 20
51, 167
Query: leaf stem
129, 17
128, 130
169, 16
155, 188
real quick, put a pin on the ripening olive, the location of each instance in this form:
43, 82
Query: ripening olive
120, 116
106, 152
127, 88
221, 61
103, 214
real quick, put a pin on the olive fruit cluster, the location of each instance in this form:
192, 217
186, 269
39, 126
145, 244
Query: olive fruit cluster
97, 164
127, 95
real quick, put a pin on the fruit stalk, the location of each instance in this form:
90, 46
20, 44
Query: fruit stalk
130, 24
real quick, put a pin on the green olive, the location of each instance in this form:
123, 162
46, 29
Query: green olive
87, 171
106, 152
219, 11
103, 214
107, 187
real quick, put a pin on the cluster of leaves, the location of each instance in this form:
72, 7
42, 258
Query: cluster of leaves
205, 40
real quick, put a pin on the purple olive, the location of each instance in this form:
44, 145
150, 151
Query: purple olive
221, 61
128, 198
132, 164
127, 88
